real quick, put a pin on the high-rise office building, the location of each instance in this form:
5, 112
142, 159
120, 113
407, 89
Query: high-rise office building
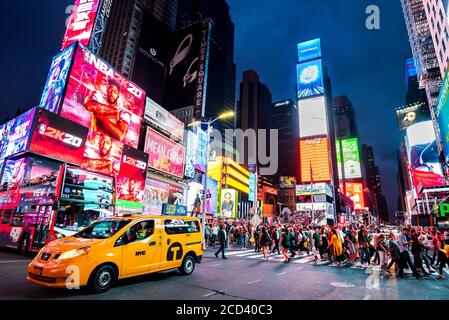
222, 70
254, 109
123, 30
344, 118
436, 12
414, 93
285, 119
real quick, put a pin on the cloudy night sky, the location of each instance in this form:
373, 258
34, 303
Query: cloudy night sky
366, 65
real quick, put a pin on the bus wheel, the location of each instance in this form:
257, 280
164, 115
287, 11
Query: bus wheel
24, 245
188, 265
102, 279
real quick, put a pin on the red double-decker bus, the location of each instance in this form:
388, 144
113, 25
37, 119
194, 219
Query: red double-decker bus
51, 206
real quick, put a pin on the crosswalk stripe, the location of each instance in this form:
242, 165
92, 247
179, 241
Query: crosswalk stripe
247, 254
231, 253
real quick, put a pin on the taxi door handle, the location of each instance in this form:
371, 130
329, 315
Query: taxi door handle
168, 241
188, 235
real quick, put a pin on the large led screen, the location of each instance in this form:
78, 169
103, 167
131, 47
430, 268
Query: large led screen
442, 114
423, 156
81, 23
309, 50
102, 154
312, 117
58, 138
314, 160
163, 119
228, 204
14, 135
411, 115
351, 158
310, 79
57, 79
102, 100
130, 183
339, 159
355, 192
156, 195
14, 173
191, 154
164, 155
287, 182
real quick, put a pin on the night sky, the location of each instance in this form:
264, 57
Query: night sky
367, 65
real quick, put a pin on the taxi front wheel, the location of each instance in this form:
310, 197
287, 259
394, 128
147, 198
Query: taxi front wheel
102, 279
188, 265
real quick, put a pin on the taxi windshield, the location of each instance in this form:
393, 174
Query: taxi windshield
102, 229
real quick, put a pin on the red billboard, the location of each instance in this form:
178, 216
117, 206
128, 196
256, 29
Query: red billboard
314, 160
164, 155
58, 138
131, 181
355, 192
99, 98
81, 23
102, 154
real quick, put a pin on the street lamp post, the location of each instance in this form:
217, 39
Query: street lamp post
206, 168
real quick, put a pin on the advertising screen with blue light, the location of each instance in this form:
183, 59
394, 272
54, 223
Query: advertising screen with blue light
309, 50
310, 79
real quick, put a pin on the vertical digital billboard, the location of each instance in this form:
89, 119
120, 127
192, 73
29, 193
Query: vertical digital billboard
191, 152
339, 159
351, 158
314, 160
442, 114
309, 50
57, 80
15, 172
312, 117
187, 69
130, 183
310, 79
164, 155
252, 187
58, 138
81, 23
100, 99
102, 154
14, 135
164, 120
228, 204
422, 151
355, 192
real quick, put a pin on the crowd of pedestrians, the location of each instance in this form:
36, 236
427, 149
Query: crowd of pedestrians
424, 251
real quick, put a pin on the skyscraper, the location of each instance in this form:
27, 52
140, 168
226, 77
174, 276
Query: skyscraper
344, 118
254, 109
285, 119
222, 69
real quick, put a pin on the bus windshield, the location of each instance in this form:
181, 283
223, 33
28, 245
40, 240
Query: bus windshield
102, 229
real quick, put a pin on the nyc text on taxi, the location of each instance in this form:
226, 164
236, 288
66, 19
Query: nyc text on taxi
120, 248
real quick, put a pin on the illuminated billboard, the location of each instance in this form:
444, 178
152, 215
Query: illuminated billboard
164, 120
355, 192
252, 187
57, 80
310, 79
102, 154
314, 160
423, 157
228, 204
156, 195
102, 100
312, 117
131, 181
339, 159
287, 182
81, 23
191, 152
351, 158
14, 135
58, 138
411, 115
309, 189
442, 114
309, 50
15, 172
164, 155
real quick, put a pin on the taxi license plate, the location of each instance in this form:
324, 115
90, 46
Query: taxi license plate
38, 271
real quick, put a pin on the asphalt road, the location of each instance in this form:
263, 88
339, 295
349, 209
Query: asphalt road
237, 278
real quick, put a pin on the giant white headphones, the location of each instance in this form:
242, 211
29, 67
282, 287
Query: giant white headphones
190, 77
181, 54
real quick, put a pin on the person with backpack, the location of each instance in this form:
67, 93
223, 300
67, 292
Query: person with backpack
256, 236
285, 244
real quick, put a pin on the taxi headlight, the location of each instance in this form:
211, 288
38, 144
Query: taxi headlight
74, 253
59, 235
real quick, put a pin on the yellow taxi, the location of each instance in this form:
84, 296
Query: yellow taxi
118, 248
